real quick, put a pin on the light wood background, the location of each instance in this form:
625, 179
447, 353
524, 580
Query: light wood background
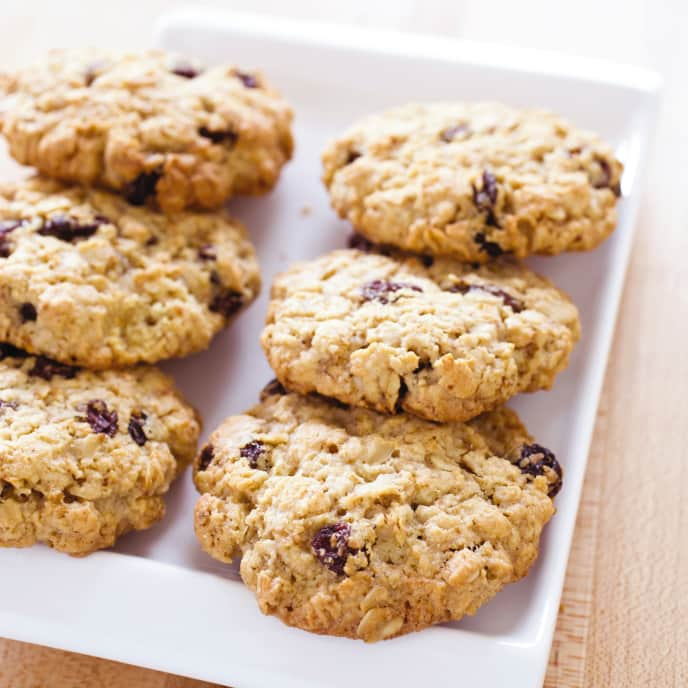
624, 614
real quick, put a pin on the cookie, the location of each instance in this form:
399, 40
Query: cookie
369, 526
86, 456
474, 181
438, 338
150, 126
88, 279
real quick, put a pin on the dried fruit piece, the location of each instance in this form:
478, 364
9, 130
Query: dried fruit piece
604, 182
7, 226
10, 351
46, 368
27, 312
246, 79
403, 391
227, 302
226, 135
205, 457
359, 242
538, 460
135, 428
207, 252
100, 418
91, 73
66, 228
485, 198
139, 189
449, 134
252, 451
330, 546
379, 289
185, 69
351, 156
273, 387
512, 302
492, 248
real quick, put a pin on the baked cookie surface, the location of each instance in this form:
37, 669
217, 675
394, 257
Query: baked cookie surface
357, 524
86, 456
148, 125
436, 338
473, 181
88, 279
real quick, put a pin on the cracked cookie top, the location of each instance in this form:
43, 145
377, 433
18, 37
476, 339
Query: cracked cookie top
86, 456
151, 126
358, 524
88, 279
438, 338
473, 181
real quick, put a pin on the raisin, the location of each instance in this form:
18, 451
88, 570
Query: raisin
252, 451
351, 156
206, 457
604, 182
139, 189
403, 391
423, 364
449, 134
358, 241
515, 304
7, 226
330, 546
185, 69
227, 302
247, 79
537, 460
492, 248
10, 351
68, 228
46, 368
9, 404
91, 71
226, 135
207, 252
100, 418
485, 198
135, 428
378, 289
273, 387
27, 312
606, 176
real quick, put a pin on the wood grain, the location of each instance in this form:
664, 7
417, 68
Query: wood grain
625, 603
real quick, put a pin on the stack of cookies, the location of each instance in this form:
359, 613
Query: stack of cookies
380, 486
114, 257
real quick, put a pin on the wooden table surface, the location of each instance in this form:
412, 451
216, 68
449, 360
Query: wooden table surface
624, 613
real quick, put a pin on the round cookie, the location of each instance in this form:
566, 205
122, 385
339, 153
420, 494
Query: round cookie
473, 181
148, 125
440, 339
88, 279
357, 524
86, 456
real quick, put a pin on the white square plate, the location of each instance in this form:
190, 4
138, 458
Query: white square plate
157, 600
